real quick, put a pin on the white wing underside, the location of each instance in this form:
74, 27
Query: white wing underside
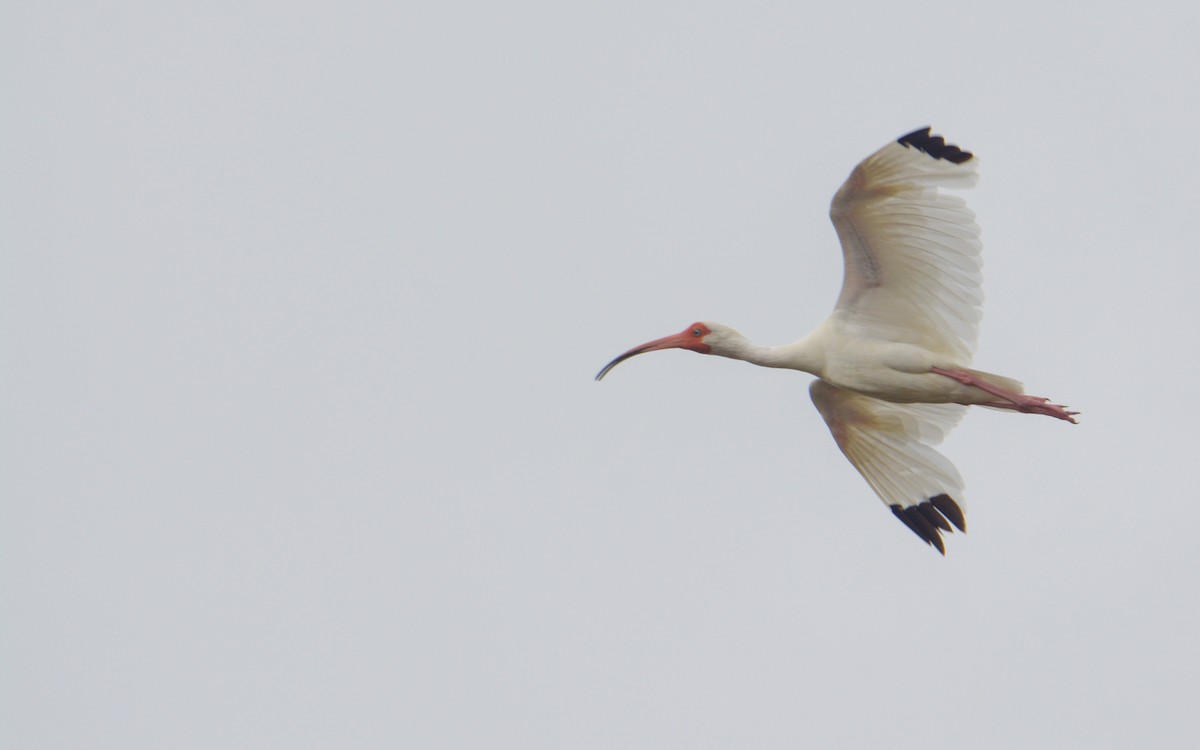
912, 263
912, 275
890, 444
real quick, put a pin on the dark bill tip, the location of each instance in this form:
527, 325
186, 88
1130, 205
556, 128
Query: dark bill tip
600, 375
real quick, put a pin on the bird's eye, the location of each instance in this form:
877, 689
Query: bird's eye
696, 332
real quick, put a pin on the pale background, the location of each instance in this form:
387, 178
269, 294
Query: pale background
301, 309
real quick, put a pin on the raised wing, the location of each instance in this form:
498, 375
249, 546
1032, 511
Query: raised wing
889, 444
911, 252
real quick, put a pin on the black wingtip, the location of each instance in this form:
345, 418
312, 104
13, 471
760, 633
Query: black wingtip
928, 519
948, 508
934, 145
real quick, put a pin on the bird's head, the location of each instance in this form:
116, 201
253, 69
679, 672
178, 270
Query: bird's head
705, 338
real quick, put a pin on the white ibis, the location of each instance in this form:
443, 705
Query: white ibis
892, 360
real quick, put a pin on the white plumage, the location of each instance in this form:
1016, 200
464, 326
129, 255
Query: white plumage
911, 252
893, 359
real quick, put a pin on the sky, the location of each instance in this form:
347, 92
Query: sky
301, 310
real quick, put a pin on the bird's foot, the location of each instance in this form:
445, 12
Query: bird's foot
1011, 399
1037, 405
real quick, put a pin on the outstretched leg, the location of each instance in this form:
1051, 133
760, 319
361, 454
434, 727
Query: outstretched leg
1010, 399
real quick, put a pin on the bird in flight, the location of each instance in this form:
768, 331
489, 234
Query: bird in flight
893, 359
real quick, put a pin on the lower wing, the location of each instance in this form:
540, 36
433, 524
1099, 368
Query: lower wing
890, 445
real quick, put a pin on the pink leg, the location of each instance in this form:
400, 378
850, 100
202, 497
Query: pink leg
1011, 400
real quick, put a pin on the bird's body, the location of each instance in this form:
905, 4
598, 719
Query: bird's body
887, 370
893, 359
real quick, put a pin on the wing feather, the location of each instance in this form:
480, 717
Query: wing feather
912, 264
891, 446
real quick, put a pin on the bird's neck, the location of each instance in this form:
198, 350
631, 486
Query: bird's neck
805, 355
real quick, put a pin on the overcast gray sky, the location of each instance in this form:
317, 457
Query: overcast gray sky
301, 309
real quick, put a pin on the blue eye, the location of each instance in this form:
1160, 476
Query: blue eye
696, 332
